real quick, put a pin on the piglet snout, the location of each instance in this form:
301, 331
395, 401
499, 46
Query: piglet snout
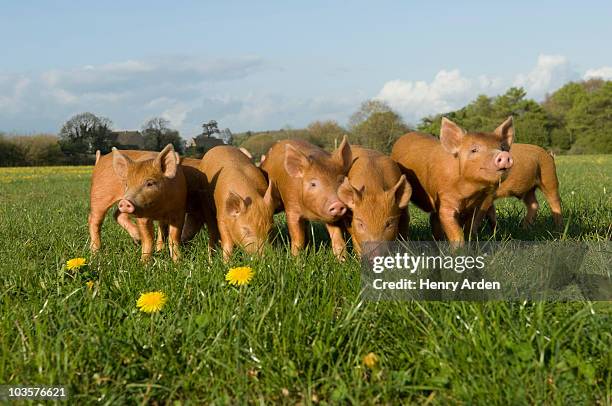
503, 160
337, 209
125, 206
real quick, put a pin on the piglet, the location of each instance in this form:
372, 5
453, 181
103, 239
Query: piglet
106, 189
377, 195
452, 176
307, 178
534, 168
239, 201
153, 188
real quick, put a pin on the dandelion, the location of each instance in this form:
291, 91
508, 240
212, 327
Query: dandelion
239, 276
89, 284
370, 360
75, 263
151, 302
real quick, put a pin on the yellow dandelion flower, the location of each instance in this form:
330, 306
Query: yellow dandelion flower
370, 360
240, 276
151, 302
75, 263
90, 284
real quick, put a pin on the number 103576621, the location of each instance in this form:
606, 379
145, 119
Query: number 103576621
14, 392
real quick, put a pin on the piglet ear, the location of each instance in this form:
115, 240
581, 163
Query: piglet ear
121, 163
344, 154
506, 132
168, 161
296, 162
234, 204
246, 152
348, 194
270, 198
451, 135
402, 192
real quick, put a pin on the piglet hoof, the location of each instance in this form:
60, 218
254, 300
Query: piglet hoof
341, 256
526, 224
456, 245
145, 258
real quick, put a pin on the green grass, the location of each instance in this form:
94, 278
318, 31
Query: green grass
298, 332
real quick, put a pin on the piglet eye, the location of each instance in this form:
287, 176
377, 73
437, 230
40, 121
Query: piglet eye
474, 150
150, 183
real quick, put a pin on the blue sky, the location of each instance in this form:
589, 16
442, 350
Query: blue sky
255, 66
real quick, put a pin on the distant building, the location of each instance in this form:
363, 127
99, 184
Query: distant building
129, 139
203, 143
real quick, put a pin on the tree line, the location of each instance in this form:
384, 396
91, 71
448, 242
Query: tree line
575, 119
79, 139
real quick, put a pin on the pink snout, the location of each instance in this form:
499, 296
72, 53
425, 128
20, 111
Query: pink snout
125, 206
337, 209
503, 160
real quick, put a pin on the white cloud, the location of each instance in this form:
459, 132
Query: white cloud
128, 92
176, 114
450, 90
188, 91
257, 111
550, 73
604, 72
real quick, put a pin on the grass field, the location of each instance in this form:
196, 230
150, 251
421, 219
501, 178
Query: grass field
298, 332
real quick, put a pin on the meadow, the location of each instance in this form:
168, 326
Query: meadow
298, 333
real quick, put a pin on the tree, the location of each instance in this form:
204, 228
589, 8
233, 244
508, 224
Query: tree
157, 134
512, 102
588, 122
39, 149
157, 124
484, 114
366, 109
85, 133
259, 144
561, 102
533, 128
210, 128
560, 139
380, 130
580, 111
479, 115
326, 134
227, 136
10, 153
